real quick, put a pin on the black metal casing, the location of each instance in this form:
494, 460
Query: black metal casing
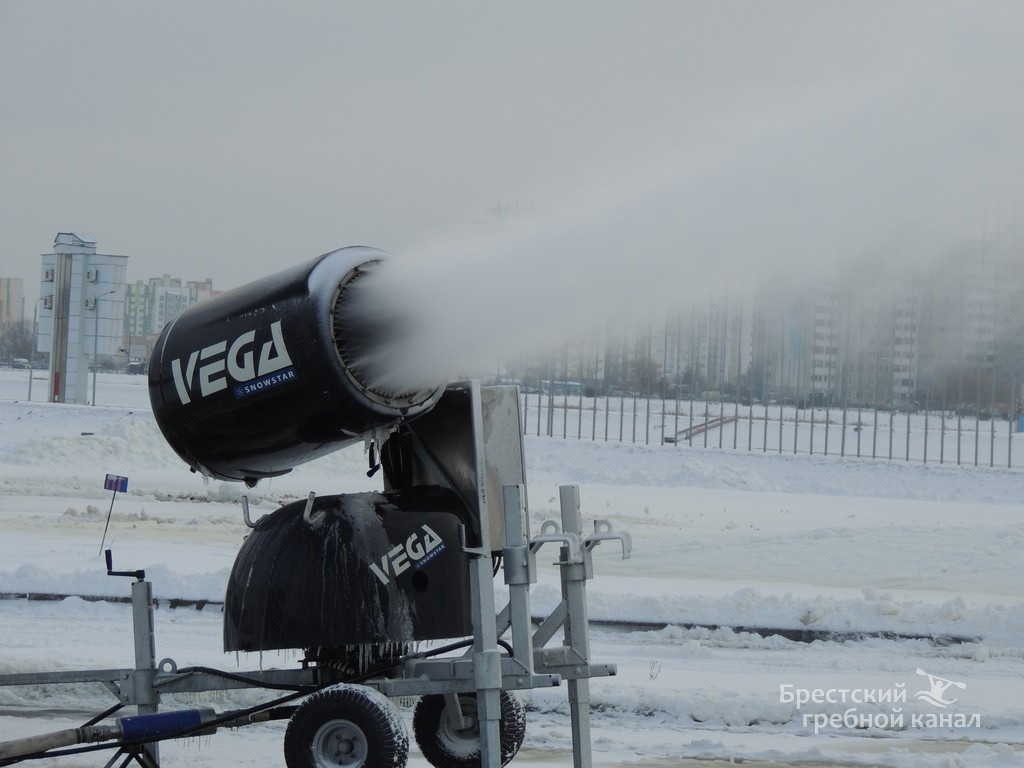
254, 381
367, 568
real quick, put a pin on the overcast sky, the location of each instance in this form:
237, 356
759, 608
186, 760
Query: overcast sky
232, 139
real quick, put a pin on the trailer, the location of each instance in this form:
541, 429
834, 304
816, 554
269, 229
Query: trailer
413, 566
286, 369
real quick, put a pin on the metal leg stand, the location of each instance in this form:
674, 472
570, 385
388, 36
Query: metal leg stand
146, 696
520, 572
576, 628
486, 660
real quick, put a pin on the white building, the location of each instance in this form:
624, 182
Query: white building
81, 317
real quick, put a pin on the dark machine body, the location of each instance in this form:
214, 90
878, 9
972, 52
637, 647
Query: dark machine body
272, 374
257, 380
358, 568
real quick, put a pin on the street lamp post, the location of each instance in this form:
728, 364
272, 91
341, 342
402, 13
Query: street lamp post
96, 343
32, 351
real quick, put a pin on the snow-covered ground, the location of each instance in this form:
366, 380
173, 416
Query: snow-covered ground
721, 539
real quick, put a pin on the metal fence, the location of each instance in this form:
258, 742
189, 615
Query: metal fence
942, 437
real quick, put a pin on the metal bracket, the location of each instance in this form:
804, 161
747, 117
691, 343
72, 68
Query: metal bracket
464, 545
551, 533
245, 513
307, 513
604, 531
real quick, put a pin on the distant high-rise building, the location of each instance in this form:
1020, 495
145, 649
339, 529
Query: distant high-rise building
12, 302
972, 327
830, 345
155, 302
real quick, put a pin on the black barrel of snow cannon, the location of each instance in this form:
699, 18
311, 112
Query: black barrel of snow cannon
254, 381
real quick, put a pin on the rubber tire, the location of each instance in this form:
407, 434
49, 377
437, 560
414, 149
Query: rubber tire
381, 740
433, 735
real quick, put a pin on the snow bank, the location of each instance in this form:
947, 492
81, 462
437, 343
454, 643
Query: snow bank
721, 540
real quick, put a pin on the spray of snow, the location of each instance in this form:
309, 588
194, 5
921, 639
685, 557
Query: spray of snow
811, 194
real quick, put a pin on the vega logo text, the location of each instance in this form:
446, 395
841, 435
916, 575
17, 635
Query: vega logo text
207, 370
418, 549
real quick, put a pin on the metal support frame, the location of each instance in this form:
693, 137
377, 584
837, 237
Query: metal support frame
532, 660
530, 663
486, 658
144, 695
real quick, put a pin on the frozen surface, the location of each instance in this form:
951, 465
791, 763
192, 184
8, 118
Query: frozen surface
720, 539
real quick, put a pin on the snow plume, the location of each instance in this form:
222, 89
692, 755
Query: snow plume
816, 189
537, 279
464, 306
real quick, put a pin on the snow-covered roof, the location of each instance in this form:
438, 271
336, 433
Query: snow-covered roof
74, 238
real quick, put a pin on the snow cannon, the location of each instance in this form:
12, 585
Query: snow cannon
284, 370
257, 380
281, 371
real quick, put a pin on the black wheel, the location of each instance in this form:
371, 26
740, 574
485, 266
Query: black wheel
346, 726
445, 746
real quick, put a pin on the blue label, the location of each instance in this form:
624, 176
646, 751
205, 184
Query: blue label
429, 556
262, 384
